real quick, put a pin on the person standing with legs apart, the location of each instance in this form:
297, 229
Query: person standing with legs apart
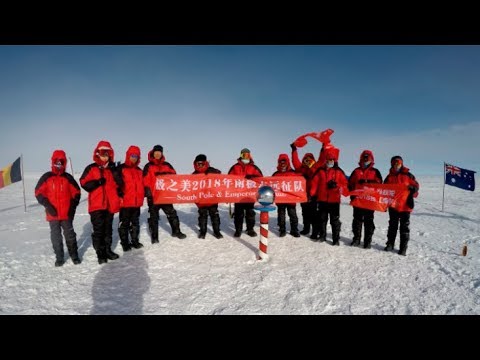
325, 191
158, 166
364, 174
132, 195
399, 174
202, 166
284, 169
59, 193
245, 167
100, 179
306, 169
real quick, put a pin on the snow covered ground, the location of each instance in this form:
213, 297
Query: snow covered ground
221, 276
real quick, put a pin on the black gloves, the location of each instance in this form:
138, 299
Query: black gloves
72, 209
101, 181
412, 189
292, 145
362, 181
249, 177
51, 209
120, 193
312, 200
332, 184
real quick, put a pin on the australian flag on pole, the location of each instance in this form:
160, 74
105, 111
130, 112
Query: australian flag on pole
461, 178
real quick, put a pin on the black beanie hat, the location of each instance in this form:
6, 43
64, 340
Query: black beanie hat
158, 148
201, 157
396, 157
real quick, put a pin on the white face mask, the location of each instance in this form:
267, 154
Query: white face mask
330, 163
367, 163
246, 161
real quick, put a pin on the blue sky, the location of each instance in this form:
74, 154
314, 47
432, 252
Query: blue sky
421, 102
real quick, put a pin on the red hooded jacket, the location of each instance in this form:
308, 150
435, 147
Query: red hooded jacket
58, 189
323, 176
404, 177
362, 175
152, 169
102, 196
132, 189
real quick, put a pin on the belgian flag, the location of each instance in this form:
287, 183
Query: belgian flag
11, 174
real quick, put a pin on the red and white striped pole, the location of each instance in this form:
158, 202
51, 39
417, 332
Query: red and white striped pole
266, 197
263, 244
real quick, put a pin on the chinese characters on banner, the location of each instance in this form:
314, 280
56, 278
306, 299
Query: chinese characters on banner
219, 188
380, 197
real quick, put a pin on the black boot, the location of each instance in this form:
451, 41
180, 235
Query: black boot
336, 228
153, 227
404, 238
314, 235
175, 224
357, 232
322, 231
306, 229
73, 251
216, 226
367, 241
134, 234
283, 232
123, 234
108, 250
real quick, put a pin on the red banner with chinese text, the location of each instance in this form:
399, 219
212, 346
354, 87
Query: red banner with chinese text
219, 188
380, 197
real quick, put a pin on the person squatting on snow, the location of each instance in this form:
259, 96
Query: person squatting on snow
325, 196
364, 174
100, 179
400, 174
305, 168
158, 166
245, 167
284, 169
59, 193
202, 166
132, 195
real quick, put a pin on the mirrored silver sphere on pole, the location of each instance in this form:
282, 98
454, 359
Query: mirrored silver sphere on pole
266, 195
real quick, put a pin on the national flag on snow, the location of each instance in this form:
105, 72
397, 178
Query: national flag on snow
11, 174
461, 178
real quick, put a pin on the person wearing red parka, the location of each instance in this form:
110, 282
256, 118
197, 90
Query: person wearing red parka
100, 179
132, 195
364, 174
202, 166
327, 185
245, 166
59, 193
158, 166
400, 174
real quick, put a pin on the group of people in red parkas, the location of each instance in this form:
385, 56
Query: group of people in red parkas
122, 188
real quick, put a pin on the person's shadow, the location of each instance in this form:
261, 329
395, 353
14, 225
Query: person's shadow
119, 286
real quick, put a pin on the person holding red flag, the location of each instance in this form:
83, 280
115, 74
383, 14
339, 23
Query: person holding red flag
364, 174
306, 169
284, 169
400, 174
202, 166
328, 184
157, 165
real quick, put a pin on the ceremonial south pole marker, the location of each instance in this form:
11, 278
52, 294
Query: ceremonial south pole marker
266, 197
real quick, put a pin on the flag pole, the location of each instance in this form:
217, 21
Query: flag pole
23, 182
443, 198
71, 165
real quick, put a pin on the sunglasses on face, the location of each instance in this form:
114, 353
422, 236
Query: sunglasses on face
200, 164
103, 153
245, 155
135, 156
